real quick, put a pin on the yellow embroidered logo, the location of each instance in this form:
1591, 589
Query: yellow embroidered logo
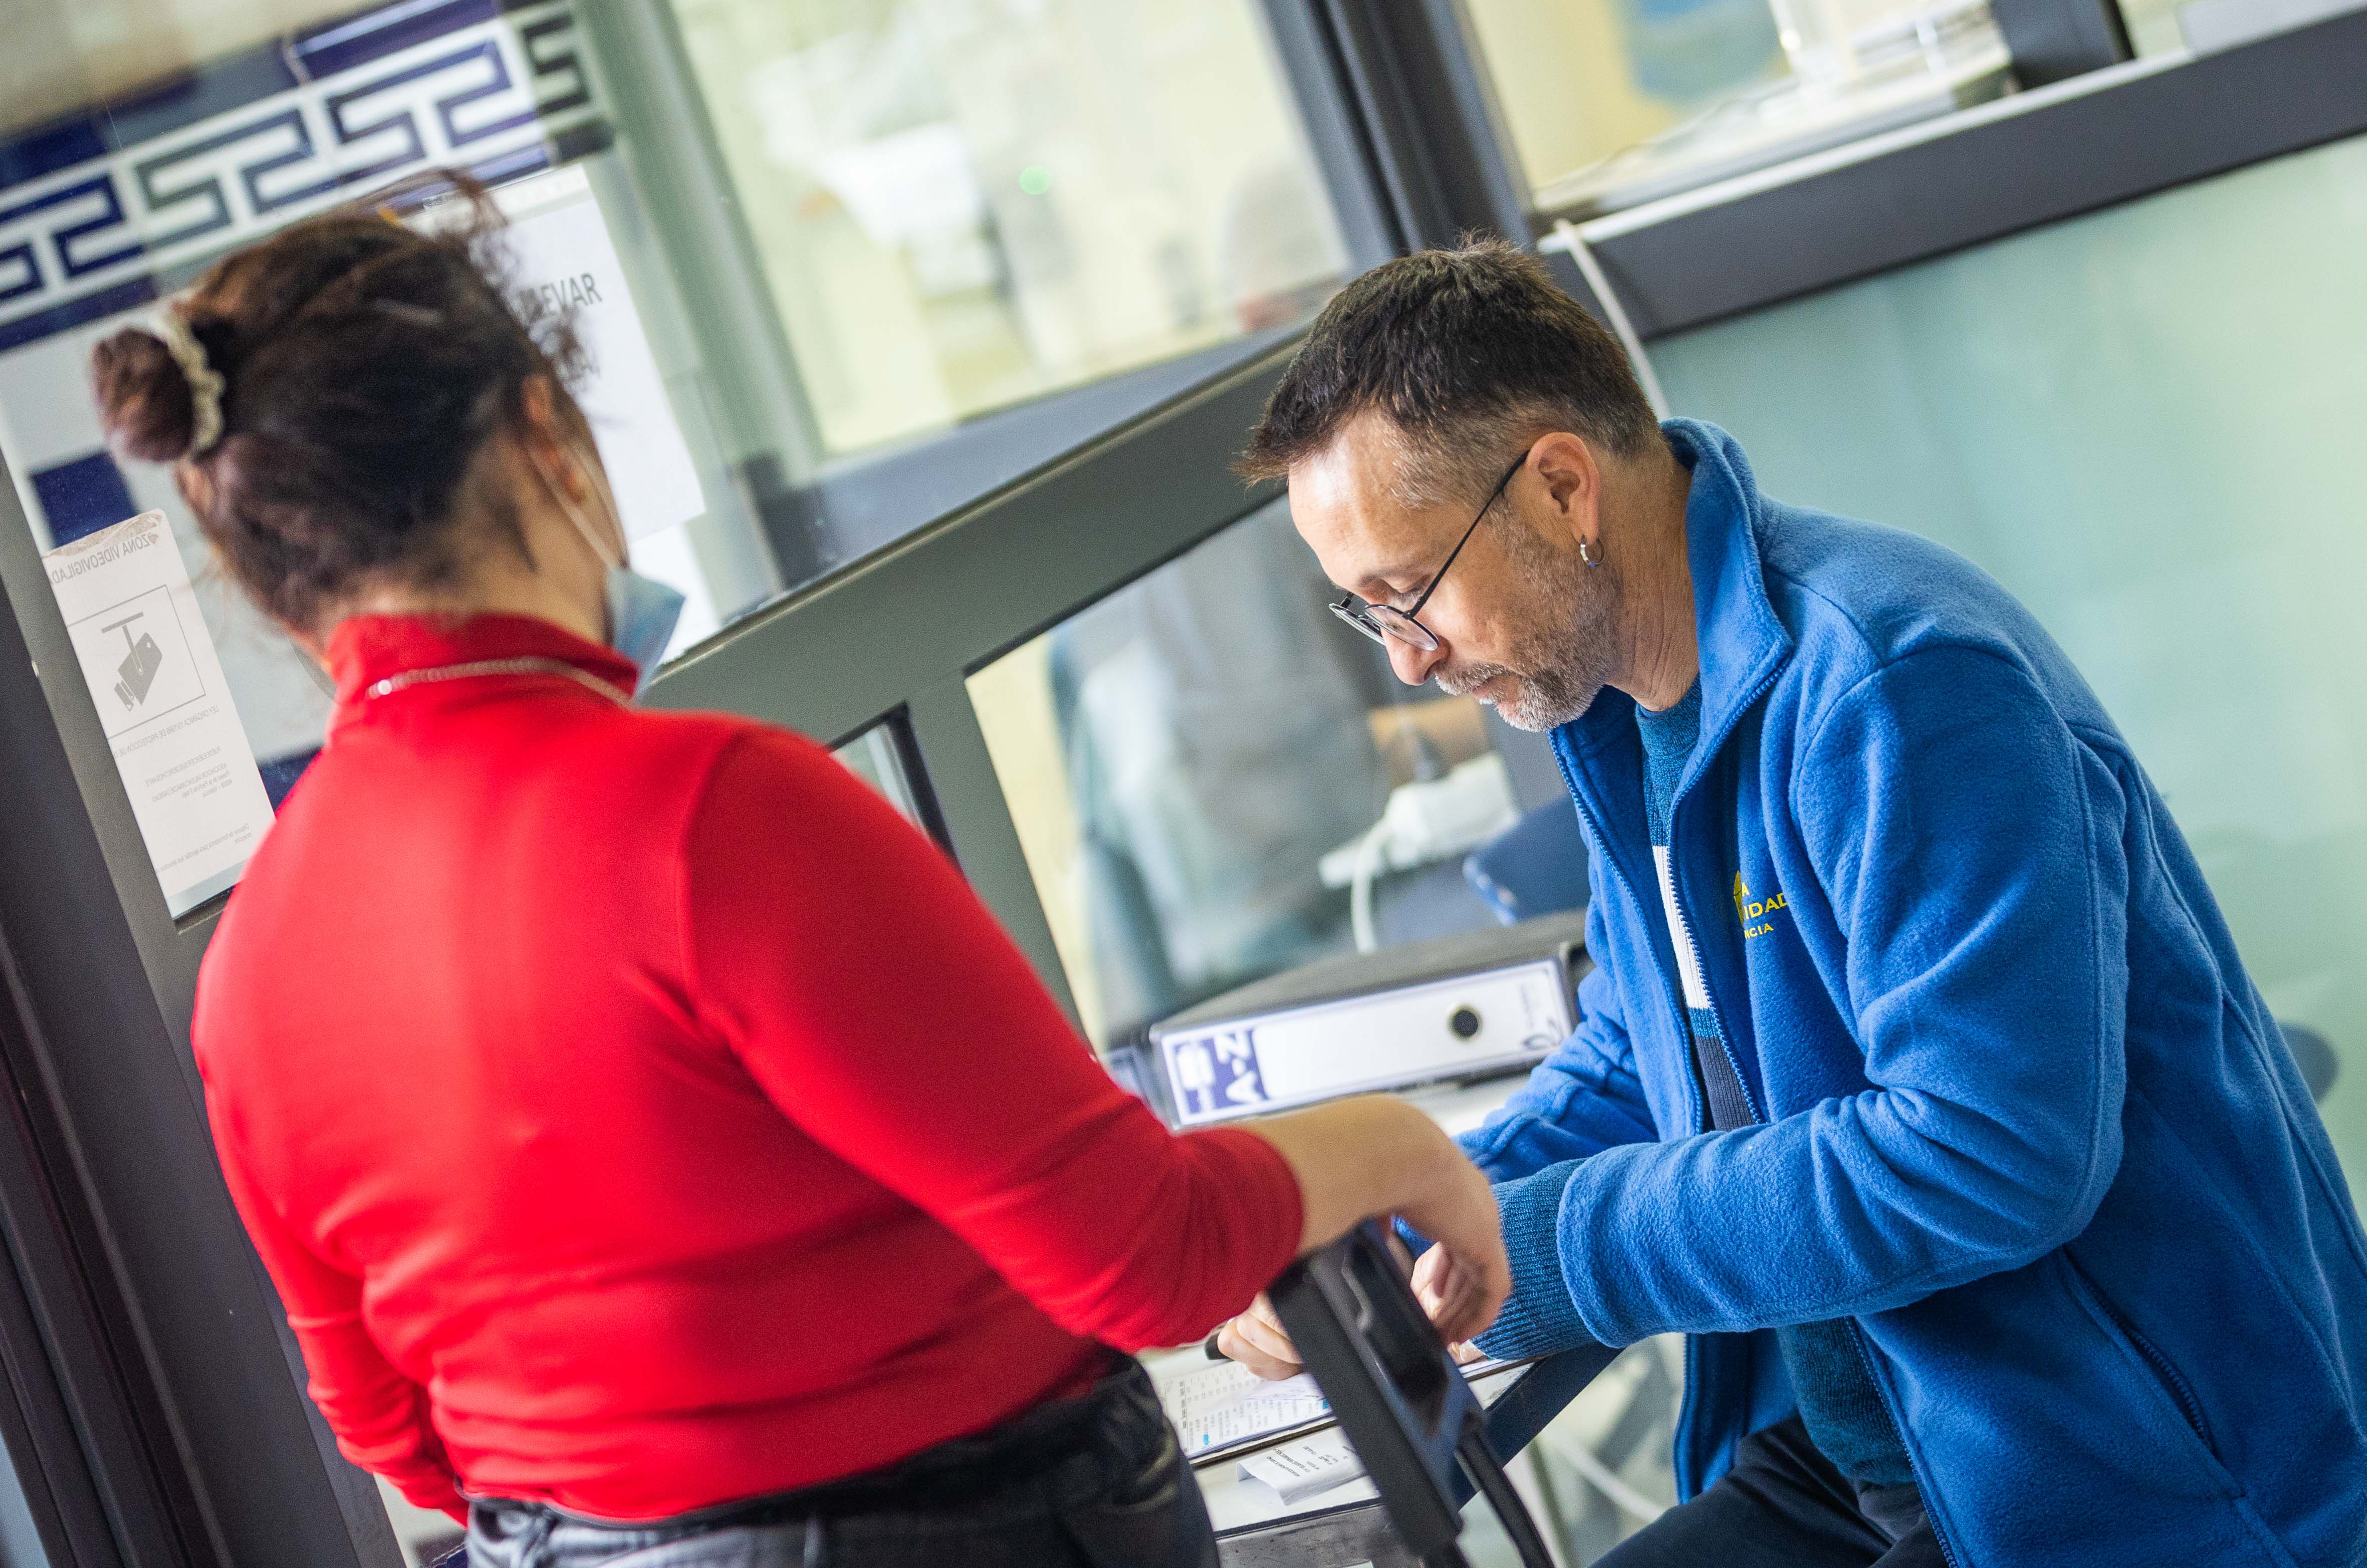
1754, 914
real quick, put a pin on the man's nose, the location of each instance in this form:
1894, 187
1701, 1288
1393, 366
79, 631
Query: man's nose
1413, 664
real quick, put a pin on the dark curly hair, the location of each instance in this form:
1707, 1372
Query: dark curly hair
1470, 354
365, 363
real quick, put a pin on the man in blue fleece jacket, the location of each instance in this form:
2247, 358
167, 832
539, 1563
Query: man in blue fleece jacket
1918, 1081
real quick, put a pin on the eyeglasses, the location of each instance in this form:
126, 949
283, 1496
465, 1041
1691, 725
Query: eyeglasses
1382, 621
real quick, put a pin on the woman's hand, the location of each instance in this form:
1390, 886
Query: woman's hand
1257, 1341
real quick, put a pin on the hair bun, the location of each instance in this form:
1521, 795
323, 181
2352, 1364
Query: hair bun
144, 397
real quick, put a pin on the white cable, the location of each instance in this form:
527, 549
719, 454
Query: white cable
1591, 270
1360, 886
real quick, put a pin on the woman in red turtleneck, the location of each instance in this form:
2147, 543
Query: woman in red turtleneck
658, 1148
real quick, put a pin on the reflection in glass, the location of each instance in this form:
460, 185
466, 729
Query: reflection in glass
2157, 459
959, 204
1192, 764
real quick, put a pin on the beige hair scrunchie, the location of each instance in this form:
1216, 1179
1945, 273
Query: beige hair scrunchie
205, 381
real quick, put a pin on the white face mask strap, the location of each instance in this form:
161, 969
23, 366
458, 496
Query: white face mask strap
610, 559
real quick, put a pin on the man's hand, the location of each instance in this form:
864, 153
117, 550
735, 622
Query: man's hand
1441, 1285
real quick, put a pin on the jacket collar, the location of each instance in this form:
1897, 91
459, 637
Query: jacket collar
366, 649
1742, 642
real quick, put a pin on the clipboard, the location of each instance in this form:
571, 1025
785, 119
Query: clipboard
1484, 1377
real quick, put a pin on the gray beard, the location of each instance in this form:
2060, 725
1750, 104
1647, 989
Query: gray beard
1566, 646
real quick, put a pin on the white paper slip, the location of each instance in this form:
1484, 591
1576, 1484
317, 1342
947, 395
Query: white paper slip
157, 684
1298, 1471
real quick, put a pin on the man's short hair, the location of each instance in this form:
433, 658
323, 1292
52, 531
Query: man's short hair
1470, 354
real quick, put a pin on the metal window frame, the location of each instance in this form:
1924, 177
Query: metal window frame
148, 1370
899, 635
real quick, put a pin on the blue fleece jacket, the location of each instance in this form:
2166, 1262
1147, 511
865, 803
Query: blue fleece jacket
2026, 1124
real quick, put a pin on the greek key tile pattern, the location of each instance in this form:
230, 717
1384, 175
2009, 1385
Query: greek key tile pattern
340, 111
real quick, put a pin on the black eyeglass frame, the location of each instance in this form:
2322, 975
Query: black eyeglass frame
1382, 621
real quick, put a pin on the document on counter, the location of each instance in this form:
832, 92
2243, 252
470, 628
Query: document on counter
157, 684
1296, 1471
1224, 1409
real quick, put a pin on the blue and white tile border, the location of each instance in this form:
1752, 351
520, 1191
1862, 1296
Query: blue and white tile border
94, 209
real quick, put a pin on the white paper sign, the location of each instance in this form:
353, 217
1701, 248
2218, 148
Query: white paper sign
564, 254
158, 685
1302, 1470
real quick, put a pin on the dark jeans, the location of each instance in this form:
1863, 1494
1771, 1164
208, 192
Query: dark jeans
1784, 1505
1094, 1482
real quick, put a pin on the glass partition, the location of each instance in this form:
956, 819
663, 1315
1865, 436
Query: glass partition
959, 204
20, 1539
1193, 764
2145, 422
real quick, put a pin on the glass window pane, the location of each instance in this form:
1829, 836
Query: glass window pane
1191, 764
2152, 26
2158, 458
872, 757
1611, 103
960, 204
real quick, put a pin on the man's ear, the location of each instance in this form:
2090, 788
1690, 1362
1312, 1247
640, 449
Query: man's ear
1572, 480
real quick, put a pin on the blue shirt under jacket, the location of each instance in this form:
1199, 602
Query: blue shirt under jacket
2024, 1120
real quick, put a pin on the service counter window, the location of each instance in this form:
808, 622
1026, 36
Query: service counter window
788, 231
1612, 105
1201, 768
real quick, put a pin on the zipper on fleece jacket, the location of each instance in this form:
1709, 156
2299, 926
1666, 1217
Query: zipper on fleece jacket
1695, 1093
1899, 1429
1757, 1103
1724, 1046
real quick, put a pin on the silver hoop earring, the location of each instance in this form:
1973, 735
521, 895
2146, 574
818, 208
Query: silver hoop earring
1594, 559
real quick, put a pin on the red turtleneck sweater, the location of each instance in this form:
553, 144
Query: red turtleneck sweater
637, 1114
